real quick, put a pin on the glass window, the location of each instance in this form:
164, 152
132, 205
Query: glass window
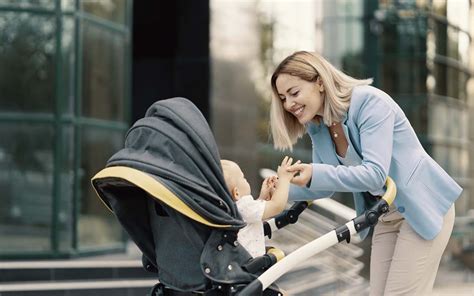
97, 226
389, 75
355, 36
27, 49
463, 50
26, 183
67, 77
440, 31
452, 82
68, 5
453, 43
66, 189
49, 4
343, 8
103, 76
440, 75
441, 154
112, 10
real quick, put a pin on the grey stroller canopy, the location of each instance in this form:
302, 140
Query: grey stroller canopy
167, 190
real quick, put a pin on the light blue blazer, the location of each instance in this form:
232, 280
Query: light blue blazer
383, 137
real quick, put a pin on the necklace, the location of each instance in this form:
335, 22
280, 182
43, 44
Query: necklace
334, 133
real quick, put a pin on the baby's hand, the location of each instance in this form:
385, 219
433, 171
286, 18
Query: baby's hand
268, 186
283, 173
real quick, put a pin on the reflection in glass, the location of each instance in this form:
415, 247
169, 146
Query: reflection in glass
112, 10
26, 186
96, 226
103, 76
26, 62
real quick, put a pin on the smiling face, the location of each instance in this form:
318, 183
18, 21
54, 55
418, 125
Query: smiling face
301, 98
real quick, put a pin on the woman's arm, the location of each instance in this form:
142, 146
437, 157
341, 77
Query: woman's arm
300, 191
375, 121
304, 193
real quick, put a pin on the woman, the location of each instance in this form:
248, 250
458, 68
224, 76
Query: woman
360, 136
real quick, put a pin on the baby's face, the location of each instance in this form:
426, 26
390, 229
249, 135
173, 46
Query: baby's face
240, 182
237, 178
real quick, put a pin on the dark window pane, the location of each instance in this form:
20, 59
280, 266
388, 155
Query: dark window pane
97, 226
112, 10
452, 82
26, 185
27, 49
440, 31
103, 77
440, 75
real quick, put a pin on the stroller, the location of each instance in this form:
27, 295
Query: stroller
168, 192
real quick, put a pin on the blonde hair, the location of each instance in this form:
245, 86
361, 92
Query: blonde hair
310, 66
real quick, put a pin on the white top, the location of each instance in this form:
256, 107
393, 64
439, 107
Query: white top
353, 159
251, 237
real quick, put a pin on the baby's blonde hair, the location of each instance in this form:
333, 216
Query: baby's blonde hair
310, 66
229, 180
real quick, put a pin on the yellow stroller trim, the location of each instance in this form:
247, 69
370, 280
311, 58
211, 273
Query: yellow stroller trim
153, 187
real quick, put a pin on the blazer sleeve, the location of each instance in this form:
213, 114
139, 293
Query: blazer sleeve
304, 193
374, 119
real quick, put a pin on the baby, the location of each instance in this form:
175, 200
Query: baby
272, 201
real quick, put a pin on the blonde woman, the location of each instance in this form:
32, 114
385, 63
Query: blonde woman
360, 136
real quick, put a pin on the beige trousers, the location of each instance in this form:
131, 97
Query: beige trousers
402, 262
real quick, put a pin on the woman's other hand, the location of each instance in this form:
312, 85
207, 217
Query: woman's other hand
303, 172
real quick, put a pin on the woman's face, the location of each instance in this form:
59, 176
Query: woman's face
301, 98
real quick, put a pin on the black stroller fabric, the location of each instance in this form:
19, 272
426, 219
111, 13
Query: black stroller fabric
174, 144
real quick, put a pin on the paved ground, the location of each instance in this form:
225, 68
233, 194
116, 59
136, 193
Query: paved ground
454, 279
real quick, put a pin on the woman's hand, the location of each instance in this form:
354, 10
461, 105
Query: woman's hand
303, 173
268, 187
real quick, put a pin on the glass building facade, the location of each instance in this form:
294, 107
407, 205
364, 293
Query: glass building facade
64, 108
418, 52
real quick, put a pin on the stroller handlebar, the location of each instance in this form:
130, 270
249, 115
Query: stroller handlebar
289, 216
341, 233
390, 192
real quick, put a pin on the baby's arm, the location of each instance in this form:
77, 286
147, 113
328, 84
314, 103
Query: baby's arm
280, 196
